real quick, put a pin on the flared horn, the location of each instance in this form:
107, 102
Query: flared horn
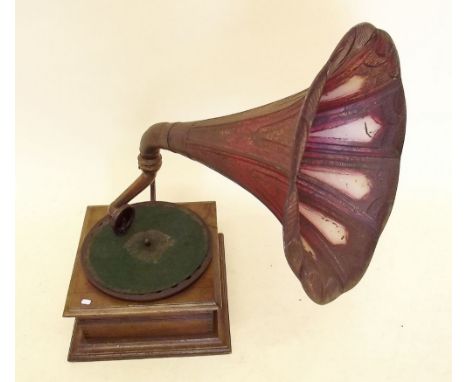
325, 161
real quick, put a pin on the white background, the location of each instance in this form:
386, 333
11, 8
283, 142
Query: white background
91, 76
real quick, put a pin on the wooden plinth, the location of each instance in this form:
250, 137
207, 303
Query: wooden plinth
193, 322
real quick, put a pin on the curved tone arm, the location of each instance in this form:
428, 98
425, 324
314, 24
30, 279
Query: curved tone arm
149, 161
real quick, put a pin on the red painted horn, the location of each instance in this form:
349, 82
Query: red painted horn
325, 161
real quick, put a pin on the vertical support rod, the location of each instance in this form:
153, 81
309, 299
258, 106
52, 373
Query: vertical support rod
153, 191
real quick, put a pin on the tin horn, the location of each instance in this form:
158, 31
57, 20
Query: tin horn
325, 161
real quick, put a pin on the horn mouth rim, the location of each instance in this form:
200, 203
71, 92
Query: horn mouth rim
319, 280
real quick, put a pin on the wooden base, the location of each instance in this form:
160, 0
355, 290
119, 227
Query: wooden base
193, 322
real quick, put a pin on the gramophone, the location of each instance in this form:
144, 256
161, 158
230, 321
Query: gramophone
149, 279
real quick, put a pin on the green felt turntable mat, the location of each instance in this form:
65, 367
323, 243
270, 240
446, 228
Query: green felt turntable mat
164, 247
